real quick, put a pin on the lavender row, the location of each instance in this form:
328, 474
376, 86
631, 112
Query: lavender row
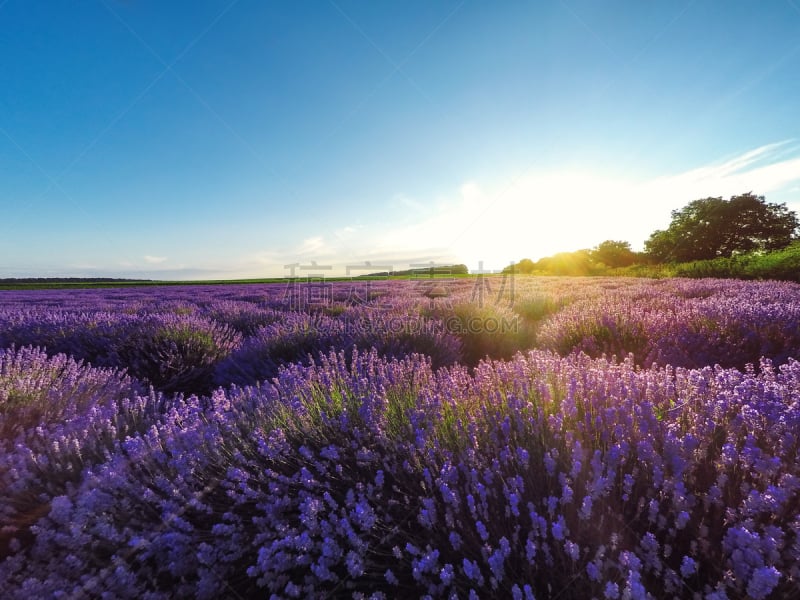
364, 477
682, 324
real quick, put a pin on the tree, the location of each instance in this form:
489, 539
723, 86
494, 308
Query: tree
613, 254
713, 227
525, 267
566, 263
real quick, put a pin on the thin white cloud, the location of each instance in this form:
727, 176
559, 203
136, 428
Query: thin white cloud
410, 206
345, 232
313, 245
740, 162
154, 260
763, 170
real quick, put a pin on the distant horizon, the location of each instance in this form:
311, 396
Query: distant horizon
144, 140
311, 271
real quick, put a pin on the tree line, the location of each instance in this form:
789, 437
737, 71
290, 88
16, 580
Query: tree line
704, 230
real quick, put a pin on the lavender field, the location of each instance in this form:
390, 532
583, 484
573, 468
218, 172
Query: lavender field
521, 438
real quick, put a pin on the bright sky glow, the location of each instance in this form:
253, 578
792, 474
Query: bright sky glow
228, 138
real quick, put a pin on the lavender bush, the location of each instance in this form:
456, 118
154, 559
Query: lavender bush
244, 317
175, 353
297, 338
90, 336
397, 334
57, 417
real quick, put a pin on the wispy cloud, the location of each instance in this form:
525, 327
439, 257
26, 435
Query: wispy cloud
312, 245
408, 204
345, 232
763, 170
154, 260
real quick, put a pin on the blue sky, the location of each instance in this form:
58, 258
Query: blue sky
229, 138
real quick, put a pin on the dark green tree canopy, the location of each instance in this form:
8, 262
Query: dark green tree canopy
713, 227
613, 253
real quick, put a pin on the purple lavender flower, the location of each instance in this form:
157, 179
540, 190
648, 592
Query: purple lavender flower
481, 529
762, 582
611, 591
688, 566
471, 570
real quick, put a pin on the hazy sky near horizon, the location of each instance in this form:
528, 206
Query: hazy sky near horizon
228, 138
